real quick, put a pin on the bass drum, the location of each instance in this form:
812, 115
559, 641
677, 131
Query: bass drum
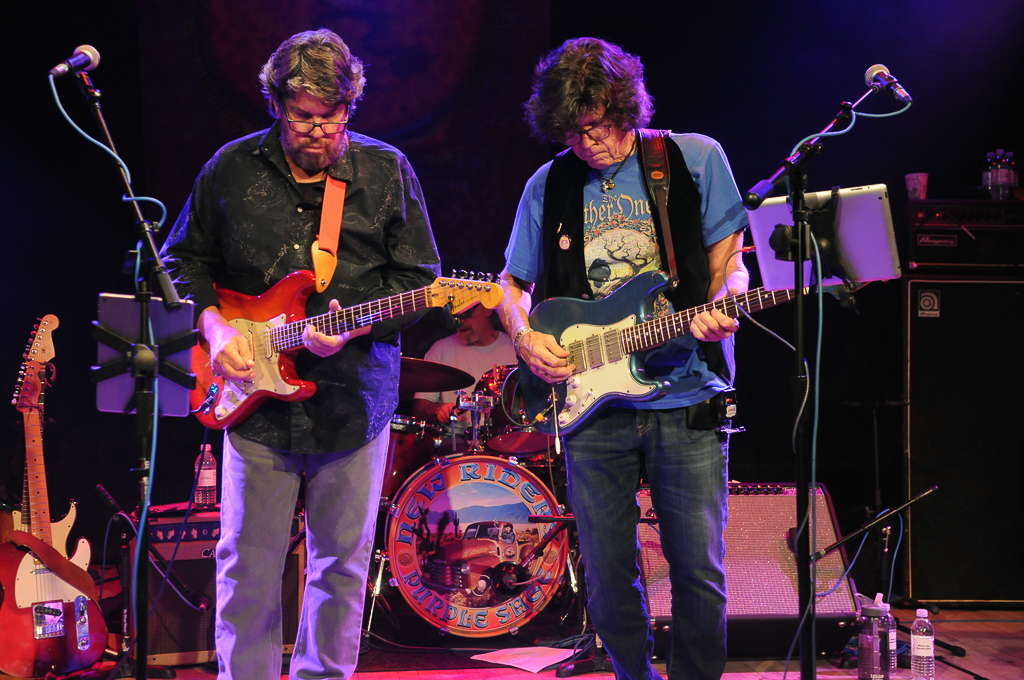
459, 536
413, 444
512, 433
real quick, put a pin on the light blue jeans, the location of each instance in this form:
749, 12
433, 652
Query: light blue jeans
687, 470
259, 489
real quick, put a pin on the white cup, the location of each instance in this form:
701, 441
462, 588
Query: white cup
917, 185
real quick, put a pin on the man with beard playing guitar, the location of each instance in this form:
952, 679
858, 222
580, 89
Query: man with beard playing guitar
253, 219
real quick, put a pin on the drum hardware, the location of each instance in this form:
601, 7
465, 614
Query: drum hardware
513, 431
379, 556
478, 403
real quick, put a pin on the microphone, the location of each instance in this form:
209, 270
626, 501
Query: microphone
878, 78
85, 58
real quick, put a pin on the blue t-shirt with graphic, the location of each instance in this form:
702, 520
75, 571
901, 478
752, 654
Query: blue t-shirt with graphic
620, 242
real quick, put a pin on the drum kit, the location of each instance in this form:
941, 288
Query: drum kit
459, 542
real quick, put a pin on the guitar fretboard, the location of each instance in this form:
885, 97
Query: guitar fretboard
35, 506
289, 336
614, 344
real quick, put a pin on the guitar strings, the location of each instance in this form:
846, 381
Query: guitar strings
289, 336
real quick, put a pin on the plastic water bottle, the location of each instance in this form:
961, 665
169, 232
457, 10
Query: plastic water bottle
988, 175
922, 647
206, 487
1001, 181
887, 636
872, 649
1014, 177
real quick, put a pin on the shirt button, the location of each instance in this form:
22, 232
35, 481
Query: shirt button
296, 246
299, 209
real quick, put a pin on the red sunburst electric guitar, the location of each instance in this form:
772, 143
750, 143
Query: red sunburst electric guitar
272, 324
49, 618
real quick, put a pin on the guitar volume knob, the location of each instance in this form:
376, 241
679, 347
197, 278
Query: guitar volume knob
563, 418
570, 401
574, 381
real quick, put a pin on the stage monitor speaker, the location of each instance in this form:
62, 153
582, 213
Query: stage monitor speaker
963, 384
761, 580
180, 635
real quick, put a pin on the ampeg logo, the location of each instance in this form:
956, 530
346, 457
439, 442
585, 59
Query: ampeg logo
944, 240
928, 303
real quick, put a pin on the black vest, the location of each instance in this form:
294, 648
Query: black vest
565, 271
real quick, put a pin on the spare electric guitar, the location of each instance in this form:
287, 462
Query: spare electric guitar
272, 325
49, 616
604, 338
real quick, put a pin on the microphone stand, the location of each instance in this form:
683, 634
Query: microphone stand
143, 363
797, 247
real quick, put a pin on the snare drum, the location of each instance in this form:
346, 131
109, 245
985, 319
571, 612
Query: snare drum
512, 432
413, 444
456, 527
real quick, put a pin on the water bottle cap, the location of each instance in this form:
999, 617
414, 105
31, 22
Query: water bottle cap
872, 610
922, 613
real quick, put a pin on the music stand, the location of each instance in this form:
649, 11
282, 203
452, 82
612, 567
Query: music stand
120, 349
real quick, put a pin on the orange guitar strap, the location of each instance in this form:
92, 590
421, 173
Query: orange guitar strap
325, 247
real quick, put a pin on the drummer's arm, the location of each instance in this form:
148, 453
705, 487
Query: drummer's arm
432, 412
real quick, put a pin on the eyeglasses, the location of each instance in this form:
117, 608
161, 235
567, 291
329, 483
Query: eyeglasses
597, 133
305, 127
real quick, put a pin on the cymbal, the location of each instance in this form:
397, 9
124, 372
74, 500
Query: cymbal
420, 375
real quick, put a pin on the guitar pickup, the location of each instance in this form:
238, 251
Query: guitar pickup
48, 620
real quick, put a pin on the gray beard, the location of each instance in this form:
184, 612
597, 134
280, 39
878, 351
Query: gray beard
313, 164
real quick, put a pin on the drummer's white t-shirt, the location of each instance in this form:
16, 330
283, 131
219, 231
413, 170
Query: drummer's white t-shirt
473, 359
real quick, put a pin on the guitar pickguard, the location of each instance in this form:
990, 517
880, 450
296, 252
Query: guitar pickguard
267, 377
605, 378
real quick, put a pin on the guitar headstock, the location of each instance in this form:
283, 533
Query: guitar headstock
38, 353
464, 289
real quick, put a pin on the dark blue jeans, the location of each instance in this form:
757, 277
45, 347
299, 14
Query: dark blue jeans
687, 470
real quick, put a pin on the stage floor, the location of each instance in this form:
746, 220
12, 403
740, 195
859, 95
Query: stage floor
993, 639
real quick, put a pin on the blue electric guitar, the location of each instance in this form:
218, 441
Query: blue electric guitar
603, 338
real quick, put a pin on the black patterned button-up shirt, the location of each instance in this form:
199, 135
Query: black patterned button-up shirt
248, 224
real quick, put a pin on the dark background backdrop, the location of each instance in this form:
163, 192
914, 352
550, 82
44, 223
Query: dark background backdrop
445, 84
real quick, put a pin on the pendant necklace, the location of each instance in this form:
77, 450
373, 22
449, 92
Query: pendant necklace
607, 184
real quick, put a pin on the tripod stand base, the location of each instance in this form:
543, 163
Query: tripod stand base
127, 670
597, 661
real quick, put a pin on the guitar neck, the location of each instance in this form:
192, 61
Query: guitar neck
289, 336
35, 504
644, 336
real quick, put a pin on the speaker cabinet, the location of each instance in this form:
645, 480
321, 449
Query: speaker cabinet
964, 384
180, 635
761, 579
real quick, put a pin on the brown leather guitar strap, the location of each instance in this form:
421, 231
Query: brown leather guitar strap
656, 173
325, 247
67, 571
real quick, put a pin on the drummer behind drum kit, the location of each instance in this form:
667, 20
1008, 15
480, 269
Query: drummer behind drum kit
461, 548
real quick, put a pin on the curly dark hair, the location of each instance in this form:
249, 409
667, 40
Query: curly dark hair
318, 62
582, 74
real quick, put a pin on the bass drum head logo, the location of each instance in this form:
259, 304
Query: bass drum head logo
928, 303
460, 545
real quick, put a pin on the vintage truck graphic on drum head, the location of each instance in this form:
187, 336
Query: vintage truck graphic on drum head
461, 545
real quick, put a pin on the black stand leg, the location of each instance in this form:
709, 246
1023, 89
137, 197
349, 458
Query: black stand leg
598, 660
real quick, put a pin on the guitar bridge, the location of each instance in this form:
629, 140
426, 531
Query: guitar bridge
48, 620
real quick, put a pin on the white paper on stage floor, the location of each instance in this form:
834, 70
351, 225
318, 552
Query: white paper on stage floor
533, 659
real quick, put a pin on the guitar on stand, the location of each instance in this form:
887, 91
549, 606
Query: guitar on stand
50, 619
